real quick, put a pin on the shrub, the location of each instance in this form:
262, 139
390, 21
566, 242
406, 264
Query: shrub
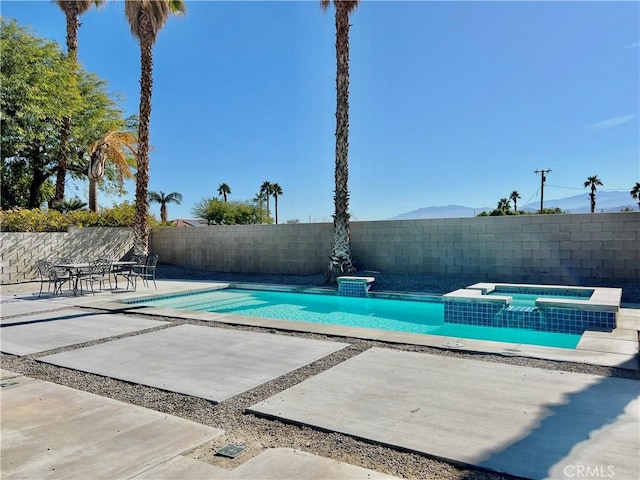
36, 220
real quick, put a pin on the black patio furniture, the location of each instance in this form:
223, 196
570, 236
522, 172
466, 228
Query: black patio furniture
75, 270
120, 268
52, 276
145, 269
99, 272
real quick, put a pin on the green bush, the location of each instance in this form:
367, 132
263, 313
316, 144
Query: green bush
36, 220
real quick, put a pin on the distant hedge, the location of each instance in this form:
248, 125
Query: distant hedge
36, 220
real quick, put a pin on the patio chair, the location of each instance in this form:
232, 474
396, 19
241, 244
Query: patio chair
146, 270
99, 272
134, 271
52, 276
149, 271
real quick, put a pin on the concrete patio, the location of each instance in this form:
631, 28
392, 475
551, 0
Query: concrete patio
518, 420
522, 421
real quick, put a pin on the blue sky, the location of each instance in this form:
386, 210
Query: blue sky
450, 102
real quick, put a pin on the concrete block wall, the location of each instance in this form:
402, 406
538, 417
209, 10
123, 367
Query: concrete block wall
19, 251
563, 249
300, 249
547, 249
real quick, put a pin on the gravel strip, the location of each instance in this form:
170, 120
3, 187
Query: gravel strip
255, 433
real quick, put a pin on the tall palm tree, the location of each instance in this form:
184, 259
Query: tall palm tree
276, 190
635, 193
341, 260
146, 18
224, 190
72, 10
110, 147
265, 189
593, 182
515, 196
162, 199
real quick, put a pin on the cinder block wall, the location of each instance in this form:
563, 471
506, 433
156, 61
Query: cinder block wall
280, 249
566, 249
20, 251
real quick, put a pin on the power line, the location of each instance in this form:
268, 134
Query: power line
532, 197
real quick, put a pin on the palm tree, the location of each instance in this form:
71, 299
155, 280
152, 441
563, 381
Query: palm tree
593, 182
504, 205
162, 199
70, 205
635, 193
146, 18
259, 198
341, 260
276, 190
265, 189
515, 196
72, 10
110, 147
224, 190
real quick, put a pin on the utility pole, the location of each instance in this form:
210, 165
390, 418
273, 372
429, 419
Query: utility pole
543, 178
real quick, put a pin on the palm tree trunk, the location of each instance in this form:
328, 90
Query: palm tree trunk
163, 212
268, 214
62, 160
93, 195
141, 227
341, 261
276, 201
72, 55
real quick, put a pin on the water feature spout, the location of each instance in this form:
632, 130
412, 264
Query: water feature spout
349, 286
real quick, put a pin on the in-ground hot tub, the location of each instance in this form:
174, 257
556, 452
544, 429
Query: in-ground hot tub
549, 308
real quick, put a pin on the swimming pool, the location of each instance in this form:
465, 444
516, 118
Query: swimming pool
403, 316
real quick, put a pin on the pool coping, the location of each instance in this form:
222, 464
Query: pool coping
611, 349
603, 299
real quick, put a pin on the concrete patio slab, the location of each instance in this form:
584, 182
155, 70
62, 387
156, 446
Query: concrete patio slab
286, 463
45, 331
274, 464
211, 363
10, 308
519, 420
614, 345
182, 467
52, 431
629, 318
5, 374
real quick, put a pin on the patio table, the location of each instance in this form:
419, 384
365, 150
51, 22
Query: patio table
75, 271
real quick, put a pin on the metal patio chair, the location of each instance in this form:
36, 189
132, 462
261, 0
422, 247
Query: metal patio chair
99, 272
52, 276
145, 269
134, 271
149, 271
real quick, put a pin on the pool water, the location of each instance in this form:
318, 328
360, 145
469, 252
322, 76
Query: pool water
394, 315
